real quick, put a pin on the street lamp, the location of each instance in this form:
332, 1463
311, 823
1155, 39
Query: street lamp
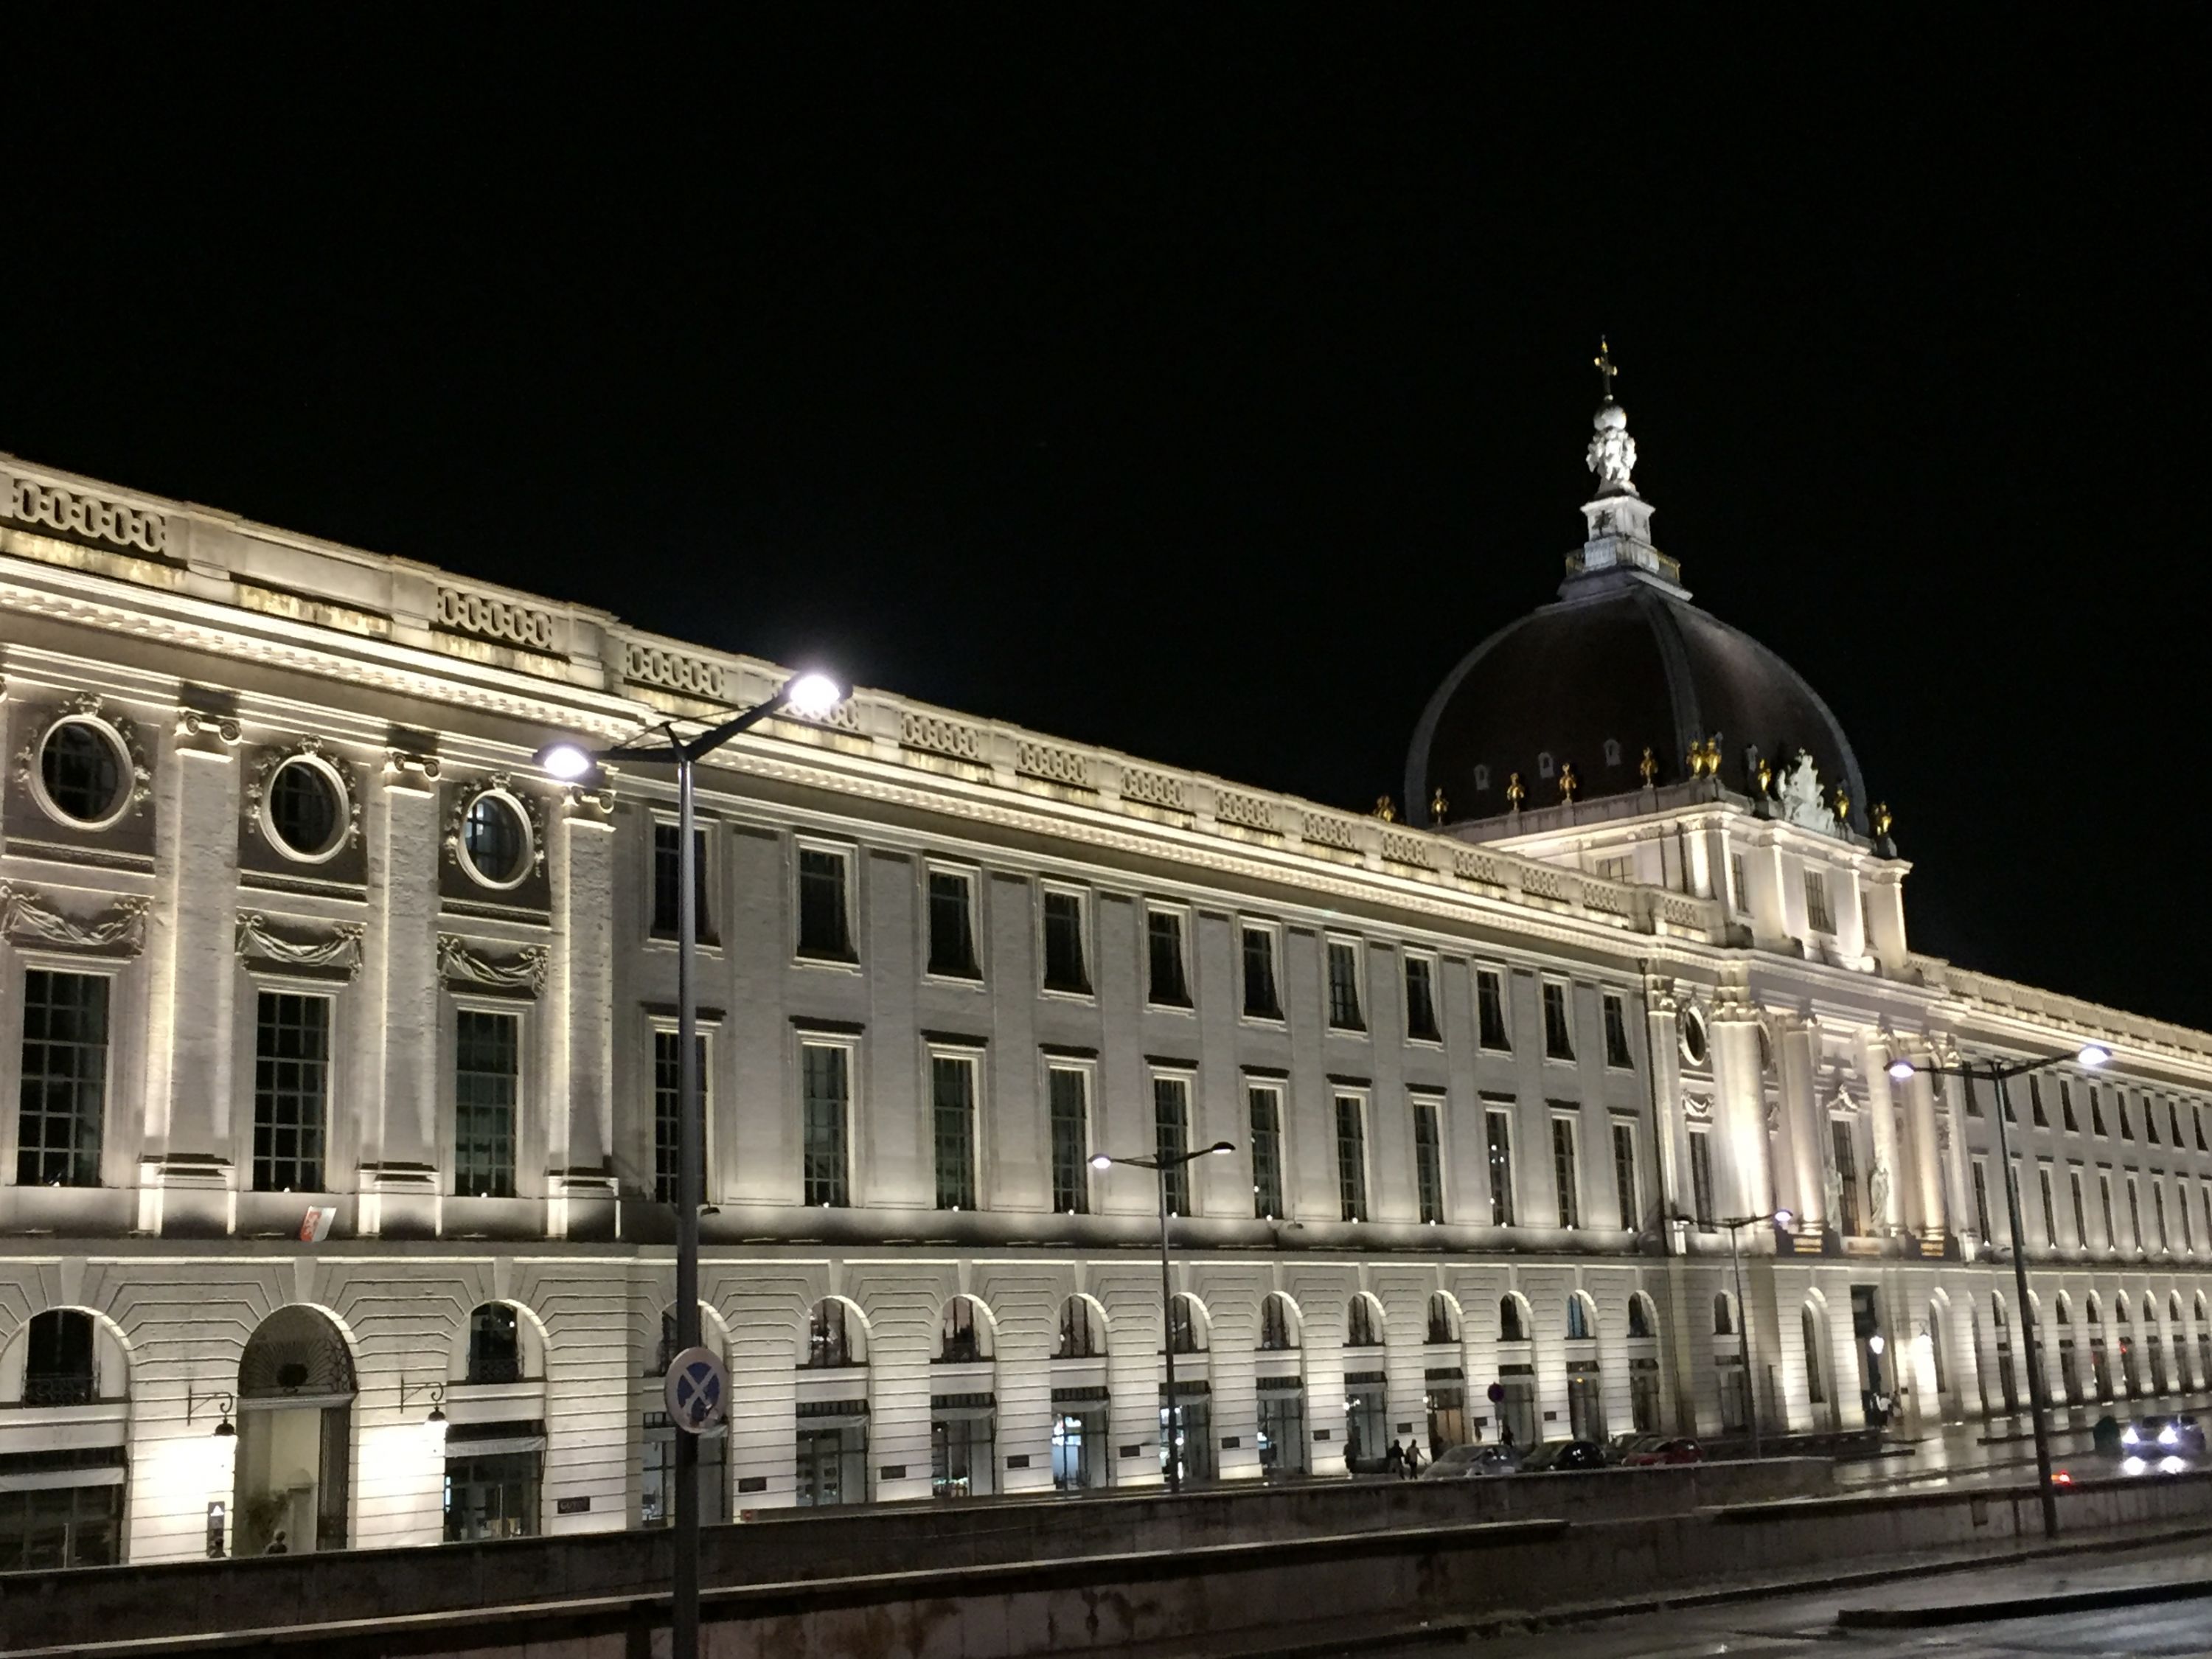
1736, 1224
1162, 1164
2091, 1055
812, 694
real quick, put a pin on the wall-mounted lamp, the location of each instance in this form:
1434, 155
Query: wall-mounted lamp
223, 1399
434, 1426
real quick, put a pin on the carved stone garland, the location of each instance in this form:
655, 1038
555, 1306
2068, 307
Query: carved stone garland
523, 971
457, 819
89, 706
339, 948
30, 918
266, 768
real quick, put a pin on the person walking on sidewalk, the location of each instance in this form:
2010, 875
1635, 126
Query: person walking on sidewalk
1413, 1459
1394, 1460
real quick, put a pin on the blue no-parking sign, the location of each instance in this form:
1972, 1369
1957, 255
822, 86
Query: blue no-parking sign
697, 1390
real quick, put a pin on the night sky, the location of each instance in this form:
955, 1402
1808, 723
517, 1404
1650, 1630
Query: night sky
1205, 381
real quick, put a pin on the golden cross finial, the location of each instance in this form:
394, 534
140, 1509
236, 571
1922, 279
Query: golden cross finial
1605, 370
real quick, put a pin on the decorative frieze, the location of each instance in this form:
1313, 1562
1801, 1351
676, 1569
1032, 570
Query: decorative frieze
485, 617
934, 734
28, 501
1053, 763
460, 965
671, 670
1149, 788
338, 948
1245, 809
28, 917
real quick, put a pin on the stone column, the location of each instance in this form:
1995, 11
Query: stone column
1874, 1060
1671, 1151
188, 1174
1928, 1211
581, 1181
400, 985
1740, 1114
1802, 1136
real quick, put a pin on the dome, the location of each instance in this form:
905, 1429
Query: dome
1622, 661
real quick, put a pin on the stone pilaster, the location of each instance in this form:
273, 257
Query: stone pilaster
1740, 1114
1663, 1019
399, 1182
580, 1183
1802, 1136
1887, 1179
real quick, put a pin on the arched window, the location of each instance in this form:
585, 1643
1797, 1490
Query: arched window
2173, 1310
58, 1363
1443, 1318
1512, 1328
1723, 1315
1997, 1316
964, 1338
1363, 1326
2091, 1311
2120, 1310
1082, 1332
1187, 1324
2065, 1309
1642, 1321
1582, 1318
495, 1345
1816, 1387
1481, 779
833, 1337
1278, 1324
1613, 751
1544, 764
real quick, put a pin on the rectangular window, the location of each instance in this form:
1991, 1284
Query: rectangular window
1262, 999
2181, 1208
2045, 1184
1351, 1157
1982, 1199
1421, 1001
826, 1080
1168, 985
1066, 966
2158, 1210
1069, 1088
1428, 1158
1624, 1175
1172, 1138
2150, 1120
825, 926
486, 1081
2135, 1213
2197, 1111
2035, 1112
667, 846
1620, 868
952, 1120
1969, 1091
1498, 1126
667, 1105
1846, 1153
2120, 1105
2096, 1111
1816, 903
1343, 1014
2105, 1204
1701, 1178
2081, 1209
2066, 1119
2004, 1099
1617, 1051
2173, 1120
1739, 884
1565, 1172
1558, 1030
1490, 1006
1265, 1104
291, 1091
952, 926
62, 1096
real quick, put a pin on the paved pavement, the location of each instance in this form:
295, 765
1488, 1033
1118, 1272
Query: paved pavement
1806, 1624
2002, 1449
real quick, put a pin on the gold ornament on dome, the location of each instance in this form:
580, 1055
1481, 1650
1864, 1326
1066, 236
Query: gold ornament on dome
1880, 818
1705, 758
1647, 769
1386, 809
1843, 806
1516, 792
1567, 784
1439, 808
1766, 778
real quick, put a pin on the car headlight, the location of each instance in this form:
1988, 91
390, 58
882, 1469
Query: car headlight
2169, 1436
2171, 1465
2128, 1436
2133, 1466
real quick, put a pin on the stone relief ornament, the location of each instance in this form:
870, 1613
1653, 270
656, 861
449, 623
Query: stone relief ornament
1878, 1186
191, 722
1831, 1181
523, 971
1801, 797
1612, 454
339, 948
308, 749
1698, 1108
89, 706
499, 784
29, 918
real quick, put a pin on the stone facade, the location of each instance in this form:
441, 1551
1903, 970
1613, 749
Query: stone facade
317, 996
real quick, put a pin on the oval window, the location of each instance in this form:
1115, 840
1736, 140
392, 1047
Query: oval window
305, 811
82, 772
1693, 1035
495, 841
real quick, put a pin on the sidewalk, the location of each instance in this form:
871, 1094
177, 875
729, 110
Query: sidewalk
2118, 1576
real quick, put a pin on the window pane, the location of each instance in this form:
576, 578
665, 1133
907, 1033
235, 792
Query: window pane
1344, 987
1065, 968
666, 876
1500, 1125
1617, 1051
825, 1087
1559, 1037
667, 1095
64, 1090
1070, 1134
1163, 932
952, 1093
1261, 1000
1565, 1172
291, 1086
951, 925
1171, 1138
1489, 997
1428, 1160
1624, 1175
1701, 1178
484, 1087
823, 928
1420, 1000
1265, 1110
1351, 1158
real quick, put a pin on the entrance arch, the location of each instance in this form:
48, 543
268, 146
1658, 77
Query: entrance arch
296, 1395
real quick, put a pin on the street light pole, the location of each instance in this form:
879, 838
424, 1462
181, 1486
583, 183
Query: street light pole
1734, 1224
2093, 1055
811, 693
1160, 1165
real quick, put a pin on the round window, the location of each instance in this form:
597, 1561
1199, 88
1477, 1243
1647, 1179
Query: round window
306, 810
495, 841
82, 773
1694, 1035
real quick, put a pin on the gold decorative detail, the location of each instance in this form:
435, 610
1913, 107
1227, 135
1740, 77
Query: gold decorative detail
1843, 807
1386, 809
1705, 758
1439, 808
1567, 783
1607, 372
1516, 792
1766, 778
1648, 769
1880, 818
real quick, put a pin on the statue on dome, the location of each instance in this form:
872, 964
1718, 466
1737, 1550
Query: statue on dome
1386, 809
1801, 796
1439, 808
1648, 769
1612, 454
1880, 820
1568, 784
1516, 792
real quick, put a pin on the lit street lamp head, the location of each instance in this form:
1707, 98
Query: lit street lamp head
1901, 1070
1223, 1147
1100, 1161
566, 760
813, 693
2094, 1055
1784, 1217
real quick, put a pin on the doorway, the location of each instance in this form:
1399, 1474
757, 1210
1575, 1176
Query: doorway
295, 1463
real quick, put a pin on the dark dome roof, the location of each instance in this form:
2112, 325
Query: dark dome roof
1625, 660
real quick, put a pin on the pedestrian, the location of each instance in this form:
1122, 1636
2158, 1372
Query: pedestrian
1351, 1449
277, 1546
1394, 1460
1413, 1459
1505, 1435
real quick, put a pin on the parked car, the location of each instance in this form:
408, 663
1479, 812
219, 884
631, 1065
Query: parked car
1472, 1463
1623, 1447
1555, 1456
2178, 1437
1666, 1450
